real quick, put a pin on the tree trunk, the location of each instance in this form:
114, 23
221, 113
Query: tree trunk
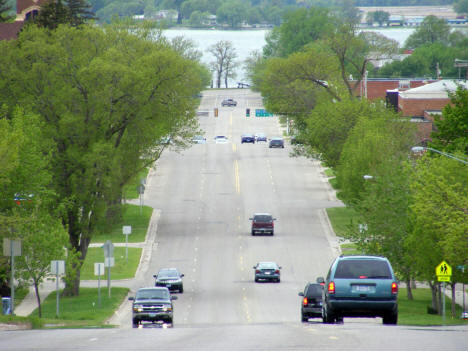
409, 292
453, 299
435, 305
38, 298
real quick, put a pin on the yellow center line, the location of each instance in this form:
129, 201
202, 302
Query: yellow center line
236, 175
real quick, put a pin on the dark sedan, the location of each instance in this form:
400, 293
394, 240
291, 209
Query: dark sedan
276, 142
247, 138
268, 271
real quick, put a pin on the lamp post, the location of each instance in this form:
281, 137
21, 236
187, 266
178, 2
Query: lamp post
417, 149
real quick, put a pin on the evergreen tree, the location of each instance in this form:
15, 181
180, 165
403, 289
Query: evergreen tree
4, 9
79, 12
52, 14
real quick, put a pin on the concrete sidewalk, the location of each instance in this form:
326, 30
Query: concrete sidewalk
29, 303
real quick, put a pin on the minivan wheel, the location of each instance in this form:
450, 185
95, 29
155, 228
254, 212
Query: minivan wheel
135, 323
327, 317
390, 318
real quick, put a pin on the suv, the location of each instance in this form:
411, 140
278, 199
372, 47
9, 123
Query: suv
262, 223
360, 286
169, 278
311, 301
229, 102
152, 305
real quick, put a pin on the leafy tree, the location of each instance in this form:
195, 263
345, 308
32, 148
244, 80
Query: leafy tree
107, 100
4, 11
224, 54
232, 12
381, 17
461, 6
451, 128
440, 215
431, 30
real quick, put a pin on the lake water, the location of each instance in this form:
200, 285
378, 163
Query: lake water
247, 41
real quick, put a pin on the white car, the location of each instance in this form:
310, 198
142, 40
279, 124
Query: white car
199, 139
221, 139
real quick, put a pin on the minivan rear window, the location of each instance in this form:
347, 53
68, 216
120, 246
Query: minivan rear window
262, 218
363, 269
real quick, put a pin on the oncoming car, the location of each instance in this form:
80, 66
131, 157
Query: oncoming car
221, 139
247, 138
170, 278
229, 102
152, 305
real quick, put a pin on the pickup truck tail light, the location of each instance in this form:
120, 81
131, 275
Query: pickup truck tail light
305, 301
394, 288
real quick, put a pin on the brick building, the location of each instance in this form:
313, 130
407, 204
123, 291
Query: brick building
25, 11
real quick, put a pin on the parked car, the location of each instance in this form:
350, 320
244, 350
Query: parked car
152, 305
360, 286
262, 223
276, 142
260, 137
221, 139
268, 271
311, 306
199, 139
229, 102
170, 278
247, 138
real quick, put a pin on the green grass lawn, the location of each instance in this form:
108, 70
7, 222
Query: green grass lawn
131, 216
82, 310
121, 270
340, 218
415, 312
130, 190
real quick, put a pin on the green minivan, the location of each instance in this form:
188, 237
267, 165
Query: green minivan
360, 286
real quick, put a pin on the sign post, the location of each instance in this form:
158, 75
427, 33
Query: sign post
126, 230
12, 248
444, 274
108, 262
99, 270
57, 268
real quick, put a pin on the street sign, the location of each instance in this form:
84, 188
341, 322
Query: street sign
109, 262
443, 272
127, 229
57, 267
11, 247
108, 249
98, 269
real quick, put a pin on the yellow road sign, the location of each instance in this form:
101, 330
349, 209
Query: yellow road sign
443, 278
443, 269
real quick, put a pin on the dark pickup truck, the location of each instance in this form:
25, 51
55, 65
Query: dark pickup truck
152, 305
262, 223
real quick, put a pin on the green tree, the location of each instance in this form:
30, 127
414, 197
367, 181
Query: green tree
440, 215
431, 30
4, 11
461, 6
52, 14
451, 128
232, 12
79, 12
381, 17
106, 106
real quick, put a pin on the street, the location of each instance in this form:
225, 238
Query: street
205, 196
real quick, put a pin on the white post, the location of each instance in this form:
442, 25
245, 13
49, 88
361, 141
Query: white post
57, 286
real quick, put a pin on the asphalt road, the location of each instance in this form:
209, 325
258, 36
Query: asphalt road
206, 195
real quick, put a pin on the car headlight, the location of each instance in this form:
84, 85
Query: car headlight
137, 308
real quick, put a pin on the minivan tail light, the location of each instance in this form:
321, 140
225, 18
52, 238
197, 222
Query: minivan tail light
394, 288
331, 288
305, 301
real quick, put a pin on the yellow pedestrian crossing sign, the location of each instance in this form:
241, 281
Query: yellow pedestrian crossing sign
443, 272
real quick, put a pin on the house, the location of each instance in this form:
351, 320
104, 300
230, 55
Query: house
26, 10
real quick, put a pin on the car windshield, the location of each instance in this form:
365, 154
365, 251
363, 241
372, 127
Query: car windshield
149, 294
168, 274
314, 290
262, 218
363, 269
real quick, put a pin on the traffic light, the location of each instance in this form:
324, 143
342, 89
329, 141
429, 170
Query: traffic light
247, 112
216, 112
